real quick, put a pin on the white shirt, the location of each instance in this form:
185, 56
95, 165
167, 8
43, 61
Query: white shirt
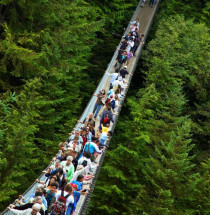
115, 83
84, 159
23, 212
121, 83
80, 161
69, 200
78, 146
113, 76
79, 172
135, 22
130, 45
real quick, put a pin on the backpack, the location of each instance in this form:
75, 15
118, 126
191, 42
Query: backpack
59, 207
106, 117
121, 58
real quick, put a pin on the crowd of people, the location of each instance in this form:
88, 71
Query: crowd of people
71, 170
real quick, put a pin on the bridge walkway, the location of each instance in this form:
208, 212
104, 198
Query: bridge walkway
146, 15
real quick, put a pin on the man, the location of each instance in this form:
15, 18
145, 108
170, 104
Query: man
75, 160
152, 2
120, 82
37, 199
135, 33
98, 104
61, 146
127, 37
92, 148
75, 144
91, 129
30, 211
138, 41
113, 77
89, 119
67, 194
79, 182
142, 39
122, 59
39, 190
123, 72
50, 196
54, 168
106, 116
130, 44
77, 134
88, 133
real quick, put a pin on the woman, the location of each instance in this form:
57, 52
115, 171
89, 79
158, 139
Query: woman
130, 55
98, 103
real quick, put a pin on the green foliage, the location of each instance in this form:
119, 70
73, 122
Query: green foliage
19, 154
188, 8
45, 47
165, 130
115, 12
50, 63
180, 50
203, 192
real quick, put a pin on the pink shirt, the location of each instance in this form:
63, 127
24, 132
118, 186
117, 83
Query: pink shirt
133, 27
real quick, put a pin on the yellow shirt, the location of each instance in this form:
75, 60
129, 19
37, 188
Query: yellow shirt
104, 129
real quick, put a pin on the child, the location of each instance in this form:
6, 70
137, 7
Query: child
103, 138
105, 128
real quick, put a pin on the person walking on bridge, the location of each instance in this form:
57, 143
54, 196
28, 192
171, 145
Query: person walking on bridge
98, 103
138, 41
152, 2
30, 211
113, 77
135, 23
106, 116
89, 119
123, 72
92, 148
122, 59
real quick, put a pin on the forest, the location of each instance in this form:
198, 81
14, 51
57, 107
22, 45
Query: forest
53, 54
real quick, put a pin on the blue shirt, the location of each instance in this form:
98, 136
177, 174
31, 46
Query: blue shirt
80, 140
91, 147
79, 185
89, 136
103, 137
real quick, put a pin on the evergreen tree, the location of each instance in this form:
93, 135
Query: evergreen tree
202, 193
45, 47
180, 50
20, 157
168, 183
48, 45
160, 127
